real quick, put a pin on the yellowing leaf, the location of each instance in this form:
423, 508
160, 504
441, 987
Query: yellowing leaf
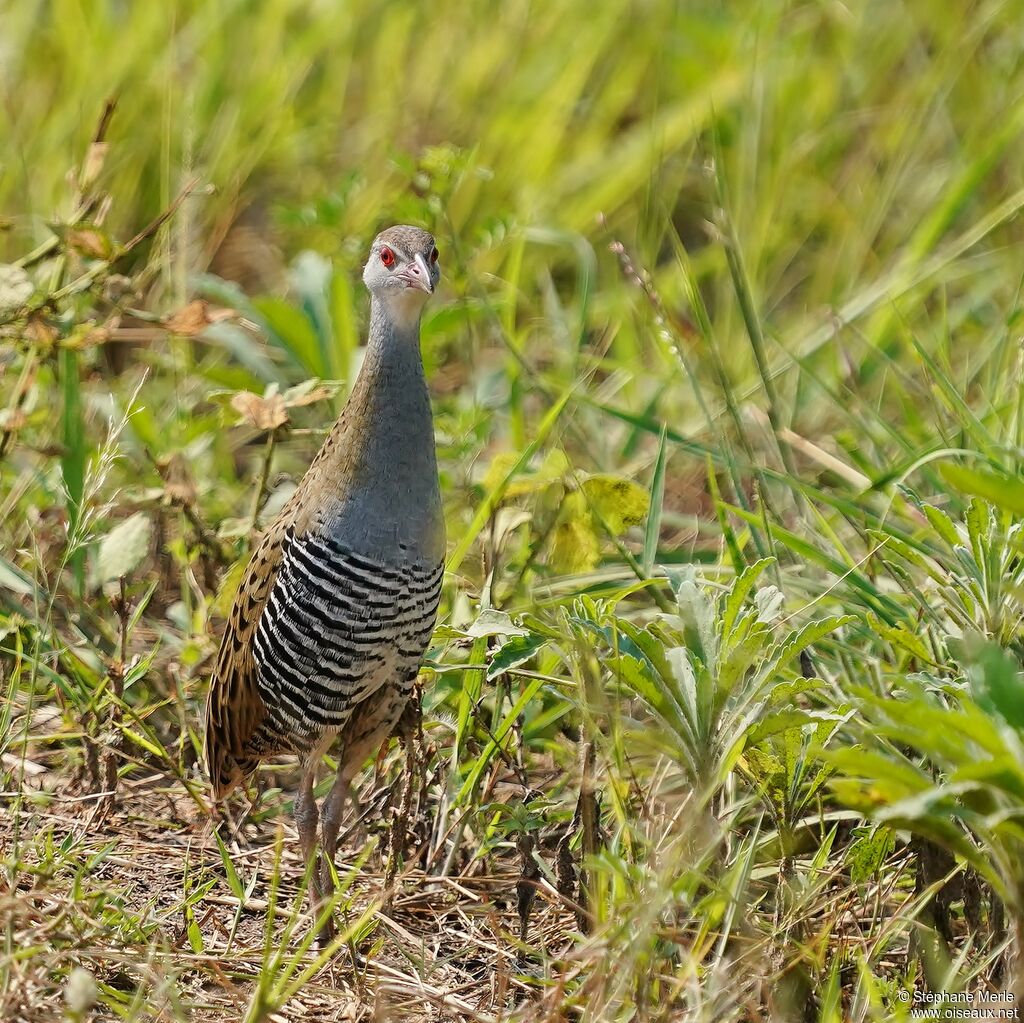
229, 583
552, 469
574, 546
621, 503
501, 465
554, 466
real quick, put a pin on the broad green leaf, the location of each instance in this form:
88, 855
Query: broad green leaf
868, 851
997, 683
693, 600
804, 637
195, 935
903, 639
688, 696
1003, 773
666, 704
492, 622
774, 724
768, 600
516, 651
738, 593
292, 331
979, 523
1004, 491
890, 545
123, 548
942, 524
874, 778
234, 882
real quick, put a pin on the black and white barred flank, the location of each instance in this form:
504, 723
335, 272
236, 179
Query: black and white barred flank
336, 628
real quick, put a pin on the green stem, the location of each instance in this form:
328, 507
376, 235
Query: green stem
261, 490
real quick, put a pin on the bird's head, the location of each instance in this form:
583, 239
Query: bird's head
402, 271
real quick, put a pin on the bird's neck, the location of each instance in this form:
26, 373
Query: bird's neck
390, 401
386, 479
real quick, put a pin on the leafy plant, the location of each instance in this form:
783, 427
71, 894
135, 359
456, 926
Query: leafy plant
943, 759
717, 675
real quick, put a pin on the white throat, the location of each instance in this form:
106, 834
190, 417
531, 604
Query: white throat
404, 308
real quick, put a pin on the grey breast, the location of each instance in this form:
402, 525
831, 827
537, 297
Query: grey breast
337, 626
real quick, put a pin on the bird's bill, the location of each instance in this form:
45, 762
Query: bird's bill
420, 280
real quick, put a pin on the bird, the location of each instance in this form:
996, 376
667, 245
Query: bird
338, 602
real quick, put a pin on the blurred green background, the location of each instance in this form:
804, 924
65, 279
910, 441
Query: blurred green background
848, 134
861, 160
854, 147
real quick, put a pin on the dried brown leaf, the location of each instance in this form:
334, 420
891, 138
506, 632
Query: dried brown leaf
93, 164
90, 241
192, 319
264, 413
310, 397
40, 331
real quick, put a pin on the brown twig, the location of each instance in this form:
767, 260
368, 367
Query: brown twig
154, 225
116, 673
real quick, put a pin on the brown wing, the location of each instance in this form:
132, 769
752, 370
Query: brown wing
234, 708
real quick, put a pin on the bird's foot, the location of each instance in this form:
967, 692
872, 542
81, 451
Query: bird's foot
324, 885
327, 933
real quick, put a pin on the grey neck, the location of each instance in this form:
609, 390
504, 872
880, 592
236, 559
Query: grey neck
393, 506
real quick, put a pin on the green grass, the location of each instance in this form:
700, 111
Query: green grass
727, 379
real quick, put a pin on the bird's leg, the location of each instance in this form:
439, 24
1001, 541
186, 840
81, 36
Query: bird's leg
306, 818
366, 730
334, 810
306, 813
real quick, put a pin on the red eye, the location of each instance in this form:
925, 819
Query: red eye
433, 255
387, 257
